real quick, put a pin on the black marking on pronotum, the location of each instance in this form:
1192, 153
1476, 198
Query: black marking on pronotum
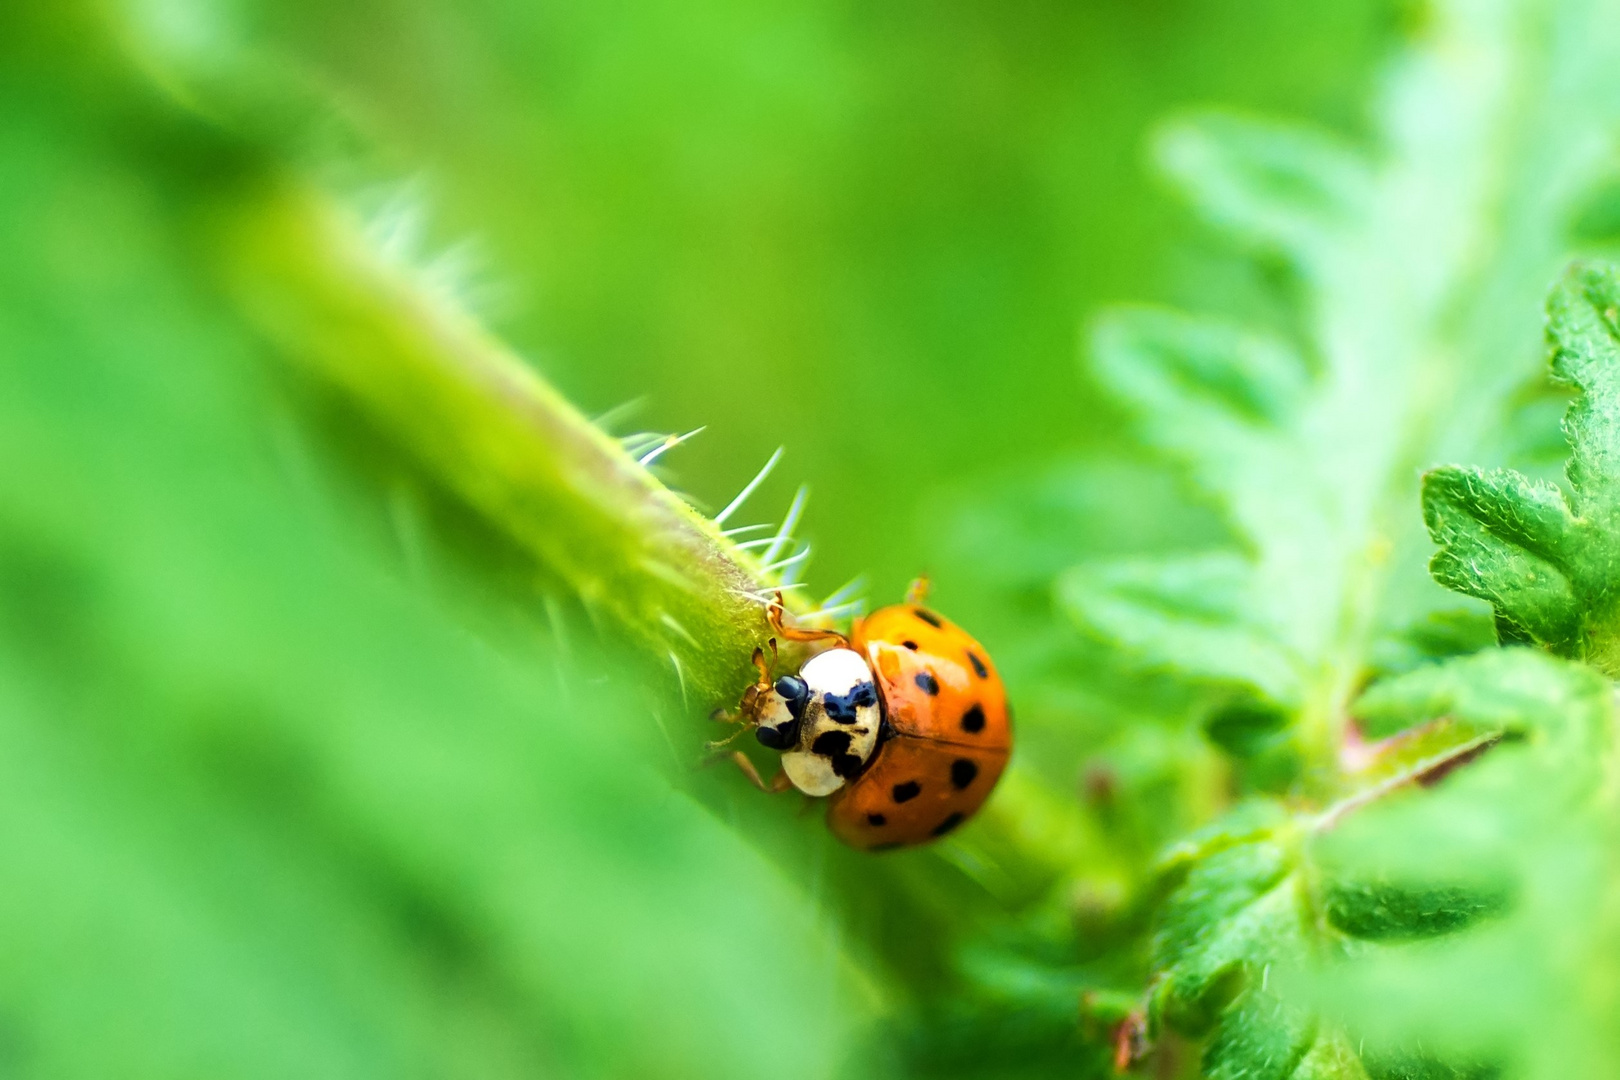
843, 708
962, 772
907, 791
928, 617
779, 738
947, 825
978, 665
834, 746
912, 645
796, 692
876, 820
973, 720
929, 684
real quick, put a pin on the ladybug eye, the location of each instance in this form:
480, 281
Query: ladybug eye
795, 691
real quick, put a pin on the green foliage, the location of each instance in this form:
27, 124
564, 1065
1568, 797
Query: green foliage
1267, 897
1375, 340
354, 685
1305, 427
1188, 615
1544, 560
267, 810
1531, 823
495, 436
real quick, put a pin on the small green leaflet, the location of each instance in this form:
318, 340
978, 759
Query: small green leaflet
1189, 615
1549, 560
1267, 900
1531, 988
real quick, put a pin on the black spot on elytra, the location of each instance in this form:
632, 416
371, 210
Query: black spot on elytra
929, 684
779, 738
912, 645
928, 617
876, 820
947, 825
834, 746
973, 720
907, 791
962, 772
887, 845
842, 708
978, 665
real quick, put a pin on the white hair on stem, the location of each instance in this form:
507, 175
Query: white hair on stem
750, 488
669, 443
784, 535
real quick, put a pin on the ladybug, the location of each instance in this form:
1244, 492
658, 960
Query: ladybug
902, 726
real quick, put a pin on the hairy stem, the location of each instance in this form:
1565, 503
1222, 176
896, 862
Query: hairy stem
493, 432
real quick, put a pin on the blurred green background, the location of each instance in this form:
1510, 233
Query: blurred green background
870, 234
283, 790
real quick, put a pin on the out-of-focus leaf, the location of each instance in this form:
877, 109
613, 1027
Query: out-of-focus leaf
1187, 616
267, 807
1439, 635
1398, 341
1017, 532
1224, 401
1284, 189
1267, 898
1536, 817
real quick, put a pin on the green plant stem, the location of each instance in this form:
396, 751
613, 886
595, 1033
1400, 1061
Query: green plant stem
493, 432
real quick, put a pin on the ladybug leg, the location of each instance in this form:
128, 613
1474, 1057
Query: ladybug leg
779, 783
917, 591
774, 612
746, 713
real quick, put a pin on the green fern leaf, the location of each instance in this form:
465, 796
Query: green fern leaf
1396, 345
1268, 897
1546, 561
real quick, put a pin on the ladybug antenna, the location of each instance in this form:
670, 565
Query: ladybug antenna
720, 744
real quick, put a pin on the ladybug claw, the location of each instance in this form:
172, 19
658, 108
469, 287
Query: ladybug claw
917, 591
778, 784
1130, 1041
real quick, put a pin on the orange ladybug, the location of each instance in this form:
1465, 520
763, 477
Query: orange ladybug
903, 726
